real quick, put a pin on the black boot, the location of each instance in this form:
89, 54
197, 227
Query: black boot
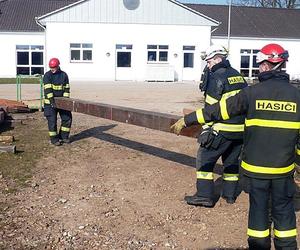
196, 200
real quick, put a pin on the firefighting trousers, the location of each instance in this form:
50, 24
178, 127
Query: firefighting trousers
281, 192
229, 151
66, 122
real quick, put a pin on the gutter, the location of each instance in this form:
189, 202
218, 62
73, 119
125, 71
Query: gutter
44, 28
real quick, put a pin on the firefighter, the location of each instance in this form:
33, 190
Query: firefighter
222, 139
56, 84
272, 125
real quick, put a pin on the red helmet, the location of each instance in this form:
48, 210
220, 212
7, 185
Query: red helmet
53, 63
272, 53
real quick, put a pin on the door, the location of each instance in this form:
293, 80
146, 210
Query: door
188, 70
123, 62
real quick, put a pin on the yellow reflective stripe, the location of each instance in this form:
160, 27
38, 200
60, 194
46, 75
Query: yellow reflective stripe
230, 177
210, 100
228, 127
267, 170
57, 87
49, 95
46, 101
229, 94
66, 94
298, 151
48, 86
65, 129
51, 133
67, 86
285, 234
258, 234
272, 123
205, 175
223, 109
200, 117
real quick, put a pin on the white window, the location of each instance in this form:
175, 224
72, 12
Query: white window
30, 59
157, 53
81, 52
249, 67
188, 56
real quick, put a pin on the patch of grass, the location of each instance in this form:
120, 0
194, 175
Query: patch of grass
31, 140
23, 80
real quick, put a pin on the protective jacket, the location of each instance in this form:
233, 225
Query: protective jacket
271, 138
222, 82
55, 85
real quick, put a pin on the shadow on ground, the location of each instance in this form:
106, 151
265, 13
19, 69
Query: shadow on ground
99, 133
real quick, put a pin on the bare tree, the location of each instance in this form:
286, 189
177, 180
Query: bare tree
290, 4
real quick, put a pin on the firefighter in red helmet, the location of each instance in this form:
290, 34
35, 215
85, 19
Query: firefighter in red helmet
272, 126
56, 84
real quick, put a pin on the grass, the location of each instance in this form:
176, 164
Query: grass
25, 80
31, 141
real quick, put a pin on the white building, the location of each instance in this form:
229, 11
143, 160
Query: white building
250, 29
138, 40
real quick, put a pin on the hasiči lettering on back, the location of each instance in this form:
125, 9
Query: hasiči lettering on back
269, 105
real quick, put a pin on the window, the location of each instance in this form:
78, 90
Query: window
249, 67
30, 59
123, 55
188, 56
157, 53
81, 52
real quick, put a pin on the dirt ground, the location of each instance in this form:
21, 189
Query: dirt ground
116, 186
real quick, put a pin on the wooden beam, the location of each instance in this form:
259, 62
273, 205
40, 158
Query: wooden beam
138, 117
6, 138
8, 149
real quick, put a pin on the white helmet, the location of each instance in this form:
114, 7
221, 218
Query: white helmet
214, 50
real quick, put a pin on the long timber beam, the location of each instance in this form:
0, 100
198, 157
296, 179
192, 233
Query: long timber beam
138, 117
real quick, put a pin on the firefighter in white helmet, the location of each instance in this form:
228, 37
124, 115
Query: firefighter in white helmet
221, 139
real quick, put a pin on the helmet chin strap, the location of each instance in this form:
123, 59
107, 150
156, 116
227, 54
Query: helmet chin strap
278, 65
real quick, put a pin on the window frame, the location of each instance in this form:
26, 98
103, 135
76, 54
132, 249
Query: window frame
81, 48
157, 50
252, 68
30, 49
189, 49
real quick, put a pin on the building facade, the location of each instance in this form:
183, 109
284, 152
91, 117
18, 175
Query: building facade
136, 40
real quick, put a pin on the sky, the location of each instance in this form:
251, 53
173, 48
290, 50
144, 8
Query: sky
206, 1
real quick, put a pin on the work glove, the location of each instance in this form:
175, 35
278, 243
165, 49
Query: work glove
178, 126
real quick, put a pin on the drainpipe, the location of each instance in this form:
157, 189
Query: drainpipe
44, 28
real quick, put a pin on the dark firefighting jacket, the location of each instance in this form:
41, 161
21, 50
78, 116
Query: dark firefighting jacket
55, 85
224, 81
272, 125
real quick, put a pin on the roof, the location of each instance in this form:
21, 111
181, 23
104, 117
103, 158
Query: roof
155, 12
253, 21
19, 15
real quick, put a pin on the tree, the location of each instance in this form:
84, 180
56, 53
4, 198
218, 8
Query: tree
290, 4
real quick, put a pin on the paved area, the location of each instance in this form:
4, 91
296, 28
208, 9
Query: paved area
165, 97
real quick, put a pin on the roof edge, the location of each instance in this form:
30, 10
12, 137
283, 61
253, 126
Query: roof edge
255, 38
58, 10
195, 12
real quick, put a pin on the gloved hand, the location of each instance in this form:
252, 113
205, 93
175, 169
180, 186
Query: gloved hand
178, 126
